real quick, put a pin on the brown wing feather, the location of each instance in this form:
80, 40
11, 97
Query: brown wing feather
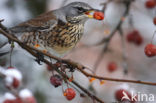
43, 21
40, 20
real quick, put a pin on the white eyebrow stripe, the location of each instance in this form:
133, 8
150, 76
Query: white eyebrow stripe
85, 8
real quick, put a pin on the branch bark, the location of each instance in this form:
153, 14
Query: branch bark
76, 65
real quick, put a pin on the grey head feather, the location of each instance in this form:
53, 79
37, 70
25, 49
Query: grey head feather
74, 12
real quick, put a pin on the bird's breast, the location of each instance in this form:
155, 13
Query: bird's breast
60, 39
64, 38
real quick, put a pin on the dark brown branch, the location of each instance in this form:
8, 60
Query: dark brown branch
69, 62
117, 80
33, 51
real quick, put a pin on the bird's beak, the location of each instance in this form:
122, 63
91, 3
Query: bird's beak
95, 14
90, 14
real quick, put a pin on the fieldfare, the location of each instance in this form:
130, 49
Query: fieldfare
57, 31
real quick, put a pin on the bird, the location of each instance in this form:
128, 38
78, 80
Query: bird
58, 31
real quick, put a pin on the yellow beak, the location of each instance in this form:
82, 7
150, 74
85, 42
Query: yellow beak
90, 14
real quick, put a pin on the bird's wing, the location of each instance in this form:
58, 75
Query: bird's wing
42, 22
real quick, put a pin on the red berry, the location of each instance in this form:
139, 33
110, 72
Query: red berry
130, 37
11, 68
112, 66
154, 20
150, 4
12, 82
19, 100
138, 40
49, 68
27, 96
56, 80
15, 83
9, 101
9, 98
150, 50
98, 15
119, 94
135, 37
69, 93
30, 100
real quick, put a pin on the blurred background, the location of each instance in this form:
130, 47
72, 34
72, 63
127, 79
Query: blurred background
140, 67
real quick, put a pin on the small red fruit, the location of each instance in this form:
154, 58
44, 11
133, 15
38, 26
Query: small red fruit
49, 68
19, 100
150, 50
15, 83
12, 82
11, 68
56, 80
27, 96
30, 100
69, 94
98, 15
9, 101
150, 4
119, 94
135, 37
112, 66
154, 20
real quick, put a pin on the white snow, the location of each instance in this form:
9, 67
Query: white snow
123, 86
14, 73
2, 70
25, 93
9, 80
9, 96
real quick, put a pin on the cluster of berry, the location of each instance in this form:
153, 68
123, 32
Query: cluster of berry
12, 80
57, 81
150, 49
150, 4
135, 37
25, 96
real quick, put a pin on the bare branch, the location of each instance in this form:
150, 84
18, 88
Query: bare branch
78, 66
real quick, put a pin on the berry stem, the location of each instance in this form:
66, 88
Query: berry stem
12, 47
153, 37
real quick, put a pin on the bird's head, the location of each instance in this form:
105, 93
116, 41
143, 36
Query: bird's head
79, 12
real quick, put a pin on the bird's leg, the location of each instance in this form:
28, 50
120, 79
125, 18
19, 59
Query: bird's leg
40, 57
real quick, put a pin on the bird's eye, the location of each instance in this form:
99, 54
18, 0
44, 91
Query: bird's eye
80, 9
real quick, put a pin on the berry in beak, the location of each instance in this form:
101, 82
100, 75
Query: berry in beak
94, 14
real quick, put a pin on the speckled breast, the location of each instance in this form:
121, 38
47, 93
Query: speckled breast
64, 38
60, 39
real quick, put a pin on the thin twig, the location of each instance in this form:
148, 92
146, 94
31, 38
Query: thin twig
107, 40
78, 66
124, 55
33, 51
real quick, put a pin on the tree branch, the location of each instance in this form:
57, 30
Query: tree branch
33, 51
76, 65
109, 38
